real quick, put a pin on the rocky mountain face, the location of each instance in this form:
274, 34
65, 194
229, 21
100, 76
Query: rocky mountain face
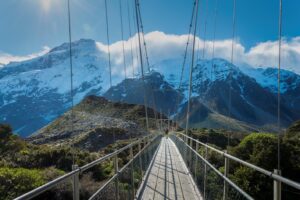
251, 101
33, 93
223, 96
160, 95
95, 123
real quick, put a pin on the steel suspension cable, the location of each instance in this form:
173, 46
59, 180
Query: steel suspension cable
187, 45
131, 38
143, 37
214, 37
148, 65
122, 35
71, 73
231, 63
136, 41
278, 89
147, 61
108, 53
205, 26
191, 69
141, 60
184, 59
108, 42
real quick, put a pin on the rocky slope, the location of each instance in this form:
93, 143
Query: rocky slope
160, 94
96, 121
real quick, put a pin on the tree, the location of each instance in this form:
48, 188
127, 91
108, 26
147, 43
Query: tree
5, 131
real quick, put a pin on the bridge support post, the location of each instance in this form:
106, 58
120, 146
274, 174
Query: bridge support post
277, 186
140, 160
131, 172
185, 139
226, 171
116, 165
196, 162
205, 174
190, 155
75, 183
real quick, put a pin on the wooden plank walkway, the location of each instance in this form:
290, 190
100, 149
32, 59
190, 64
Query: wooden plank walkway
168, 177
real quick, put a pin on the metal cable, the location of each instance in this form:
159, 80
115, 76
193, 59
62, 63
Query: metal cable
71, 73
130, 36
147, 61
136, 43
205, 26
184, 59
231, 63
214, 38
278, 92
191, 69
108, 43
108, 52
122, 35
141, 60
143, 37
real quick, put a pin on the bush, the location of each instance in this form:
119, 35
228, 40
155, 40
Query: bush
5, 131
17, 181
259, 149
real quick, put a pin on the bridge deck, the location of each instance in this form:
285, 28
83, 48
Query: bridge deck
168, 176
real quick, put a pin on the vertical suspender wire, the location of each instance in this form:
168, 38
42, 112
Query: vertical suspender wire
231, 62
214, 38
191, 69
136, 41
122, 35
184, 61
131, 38
141, 60
108, 43
147, 60
199, 41
278, 91
205, 27
143, 37
108, 53
71, 73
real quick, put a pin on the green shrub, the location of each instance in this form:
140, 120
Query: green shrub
17, 181
259, 149
5, 131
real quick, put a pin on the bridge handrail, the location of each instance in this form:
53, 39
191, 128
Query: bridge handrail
247, 196
270, 174
43, 188
121, 170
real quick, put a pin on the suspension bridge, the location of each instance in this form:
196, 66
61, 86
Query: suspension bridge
166, 166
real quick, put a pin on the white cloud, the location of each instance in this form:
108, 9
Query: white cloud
163, 46
7, 58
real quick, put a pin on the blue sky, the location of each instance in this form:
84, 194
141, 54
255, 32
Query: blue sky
27, 26
32, 24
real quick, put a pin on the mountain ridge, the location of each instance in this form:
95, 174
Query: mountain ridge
41, 87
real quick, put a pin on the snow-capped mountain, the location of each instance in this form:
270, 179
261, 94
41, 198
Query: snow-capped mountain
37, 91
252, 103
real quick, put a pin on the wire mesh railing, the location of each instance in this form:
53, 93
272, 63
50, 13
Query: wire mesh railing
211, 183
125, 183
216, 181
122, 183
